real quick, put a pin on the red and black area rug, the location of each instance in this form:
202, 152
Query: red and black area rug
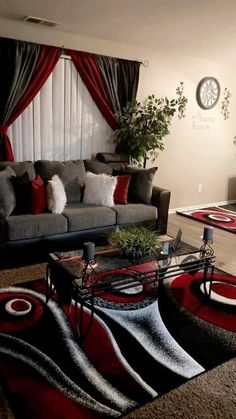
223, 217
139, 345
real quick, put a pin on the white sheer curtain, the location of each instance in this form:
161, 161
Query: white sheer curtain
62, 122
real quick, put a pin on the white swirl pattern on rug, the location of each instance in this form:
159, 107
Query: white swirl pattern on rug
123, 361
147, 327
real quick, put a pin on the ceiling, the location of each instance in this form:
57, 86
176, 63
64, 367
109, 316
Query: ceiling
194, 27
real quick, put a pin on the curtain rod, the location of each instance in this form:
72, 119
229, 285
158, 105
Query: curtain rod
145, 63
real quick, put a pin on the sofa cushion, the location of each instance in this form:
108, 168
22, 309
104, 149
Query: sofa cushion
83, 217
71, 172
140, 188
32, 226
20, 168
7, 195
134, 213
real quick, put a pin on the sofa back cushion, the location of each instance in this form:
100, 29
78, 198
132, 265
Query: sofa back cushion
20, 168
72, 174
97, 167
7, 195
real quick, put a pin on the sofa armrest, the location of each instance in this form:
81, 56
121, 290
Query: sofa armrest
161, 200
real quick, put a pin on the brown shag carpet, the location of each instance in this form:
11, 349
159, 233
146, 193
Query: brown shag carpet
10, 277
209, 396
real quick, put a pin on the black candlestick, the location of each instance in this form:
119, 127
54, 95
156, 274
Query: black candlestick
206, 249
88, 251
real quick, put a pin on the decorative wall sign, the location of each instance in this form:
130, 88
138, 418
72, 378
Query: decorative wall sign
202, 122
208, 92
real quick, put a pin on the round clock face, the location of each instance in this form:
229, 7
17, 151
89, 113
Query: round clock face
208, 92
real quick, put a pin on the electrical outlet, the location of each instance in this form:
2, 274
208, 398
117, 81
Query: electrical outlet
199, 188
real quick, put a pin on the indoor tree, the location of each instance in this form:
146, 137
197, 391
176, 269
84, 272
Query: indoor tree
143, 126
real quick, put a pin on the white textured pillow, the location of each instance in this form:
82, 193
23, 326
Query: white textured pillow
99, 189
56, 196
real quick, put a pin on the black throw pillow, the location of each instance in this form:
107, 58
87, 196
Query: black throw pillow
22, 189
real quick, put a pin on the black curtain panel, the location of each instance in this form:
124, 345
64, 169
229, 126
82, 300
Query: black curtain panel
128, 78
121, 78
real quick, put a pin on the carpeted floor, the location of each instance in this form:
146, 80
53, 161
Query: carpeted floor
210, 395
223, 217
23, 274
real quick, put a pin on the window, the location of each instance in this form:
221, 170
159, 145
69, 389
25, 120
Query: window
62, 122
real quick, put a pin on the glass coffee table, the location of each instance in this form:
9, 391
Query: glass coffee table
74, 281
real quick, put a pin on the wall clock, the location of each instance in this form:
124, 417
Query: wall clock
208, 92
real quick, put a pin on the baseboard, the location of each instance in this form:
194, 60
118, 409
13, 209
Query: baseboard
192, 207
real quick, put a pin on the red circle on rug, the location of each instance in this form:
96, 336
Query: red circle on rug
18, 307
217, 314
12, 322
220, 218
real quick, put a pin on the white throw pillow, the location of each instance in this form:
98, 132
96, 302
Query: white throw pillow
99, 189
56, 196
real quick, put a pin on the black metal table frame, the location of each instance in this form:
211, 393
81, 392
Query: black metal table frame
84, 295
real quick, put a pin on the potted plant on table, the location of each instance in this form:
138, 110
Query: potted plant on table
135, 243
143, 126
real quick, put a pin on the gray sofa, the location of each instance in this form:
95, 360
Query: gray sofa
30, 237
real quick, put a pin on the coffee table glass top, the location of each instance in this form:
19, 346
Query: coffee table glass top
108, 259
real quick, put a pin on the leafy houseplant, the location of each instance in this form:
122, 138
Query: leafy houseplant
135, 242
143, 126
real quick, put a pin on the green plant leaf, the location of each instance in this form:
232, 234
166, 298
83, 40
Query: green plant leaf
144, 126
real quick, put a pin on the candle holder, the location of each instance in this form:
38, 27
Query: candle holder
206, 250
89, 260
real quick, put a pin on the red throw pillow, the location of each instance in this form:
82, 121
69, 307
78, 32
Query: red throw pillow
38, 195
122, 188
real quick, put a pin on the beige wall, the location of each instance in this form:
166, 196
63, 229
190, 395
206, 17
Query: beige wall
200, 148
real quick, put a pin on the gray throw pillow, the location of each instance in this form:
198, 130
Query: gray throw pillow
140, 187
71, 172
7, 195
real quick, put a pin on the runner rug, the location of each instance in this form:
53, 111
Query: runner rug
222, 217
138, 346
